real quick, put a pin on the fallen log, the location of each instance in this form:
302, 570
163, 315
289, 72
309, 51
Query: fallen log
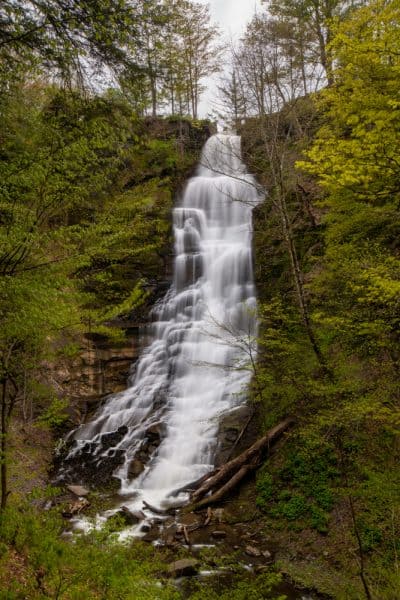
190, 487
228, 476
225, 489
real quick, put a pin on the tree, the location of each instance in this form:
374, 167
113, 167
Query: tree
58, 153
273, 63
232, 106
199, 53
314, 18
65, 36
177, 50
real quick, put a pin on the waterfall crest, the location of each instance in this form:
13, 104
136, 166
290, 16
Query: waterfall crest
195, 367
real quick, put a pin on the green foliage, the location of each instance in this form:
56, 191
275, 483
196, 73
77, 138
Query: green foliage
302, 490
58, 567
260, 587
66, 38
55, 414
347, 435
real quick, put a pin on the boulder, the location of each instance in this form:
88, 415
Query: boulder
154, 431
231, 435
130, 517
109, 440
78, 490
183, 568
252, 551
135, 468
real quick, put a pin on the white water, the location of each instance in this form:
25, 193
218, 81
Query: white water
196, 367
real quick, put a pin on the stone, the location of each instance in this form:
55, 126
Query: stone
183, 568
78, 506
231, 435
154, 431
78, 490
135, 468
130, 517
252, 551
219, 534
109, 440
267, 554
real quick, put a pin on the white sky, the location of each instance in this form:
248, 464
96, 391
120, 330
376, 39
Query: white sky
231, 16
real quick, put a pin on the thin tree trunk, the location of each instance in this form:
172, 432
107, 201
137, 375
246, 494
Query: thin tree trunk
298, 280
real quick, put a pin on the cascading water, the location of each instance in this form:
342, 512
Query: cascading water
196, 366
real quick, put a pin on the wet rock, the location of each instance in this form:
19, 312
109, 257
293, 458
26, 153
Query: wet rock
135, 468
154, 432
252, 551
109, 440
130, 517
231, 435
183, 568
230, 428
90, 466
142, 456
78, 490
219, 534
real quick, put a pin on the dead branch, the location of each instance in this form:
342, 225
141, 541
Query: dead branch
231, 474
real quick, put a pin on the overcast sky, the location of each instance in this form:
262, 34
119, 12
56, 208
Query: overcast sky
231, 16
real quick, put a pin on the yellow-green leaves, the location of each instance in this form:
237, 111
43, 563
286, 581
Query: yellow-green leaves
358, 150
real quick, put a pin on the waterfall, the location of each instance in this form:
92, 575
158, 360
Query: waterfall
196, 366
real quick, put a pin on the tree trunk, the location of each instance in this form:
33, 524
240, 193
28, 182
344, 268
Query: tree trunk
298, 280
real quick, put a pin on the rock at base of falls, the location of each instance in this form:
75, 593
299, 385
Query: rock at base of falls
78, 490
130, 517
183, 568
135, 468
109, 440
95, 463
